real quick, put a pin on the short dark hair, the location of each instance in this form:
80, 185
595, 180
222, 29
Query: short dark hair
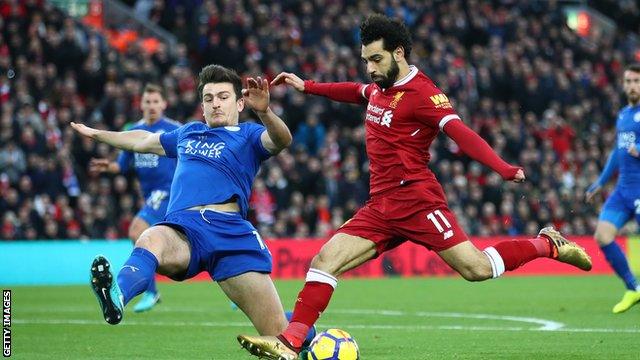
392, 32
635, 67
219, 74
153, 88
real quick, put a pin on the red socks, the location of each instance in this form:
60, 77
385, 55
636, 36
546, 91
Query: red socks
312, 301
509, 255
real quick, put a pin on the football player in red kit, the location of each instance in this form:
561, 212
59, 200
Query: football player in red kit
405, 112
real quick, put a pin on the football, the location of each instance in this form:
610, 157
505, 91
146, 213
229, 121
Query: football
333, 344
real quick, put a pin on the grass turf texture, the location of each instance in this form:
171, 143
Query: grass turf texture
424, 318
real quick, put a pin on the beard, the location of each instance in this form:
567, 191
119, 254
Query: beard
633, 98
386, 81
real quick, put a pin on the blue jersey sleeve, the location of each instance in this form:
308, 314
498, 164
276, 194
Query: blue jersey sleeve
124, 160
610, 167
255, 134
169, 142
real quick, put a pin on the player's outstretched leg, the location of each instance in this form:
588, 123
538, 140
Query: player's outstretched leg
566, 251
149, 299
106, 289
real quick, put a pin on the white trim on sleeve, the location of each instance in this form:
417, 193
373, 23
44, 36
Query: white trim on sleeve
363, 89
446, 119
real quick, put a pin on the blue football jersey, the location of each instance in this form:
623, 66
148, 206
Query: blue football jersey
214, 164
628, 132
154, 172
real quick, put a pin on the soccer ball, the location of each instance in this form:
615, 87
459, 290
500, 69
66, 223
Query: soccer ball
333, 344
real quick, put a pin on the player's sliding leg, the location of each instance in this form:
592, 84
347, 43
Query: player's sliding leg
605, 236
159, 249
256, 296
342, 253
151, 296
106, 289
476, 265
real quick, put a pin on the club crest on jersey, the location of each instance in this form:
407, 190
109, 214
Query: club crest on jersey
396, 99
636, 117
204, 148
441, 101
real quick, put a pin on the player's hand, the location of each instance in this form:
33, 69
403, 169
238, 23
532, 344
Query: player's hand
97, 166
519, 176
289, 79
591, 193
633, 151
85, 130
513, 173
256, 94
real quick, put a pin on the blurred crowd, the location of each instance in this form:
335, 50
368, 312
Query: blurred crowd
543, 97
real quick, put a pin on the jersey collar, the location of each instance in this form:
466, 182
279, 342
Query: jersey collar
413, 71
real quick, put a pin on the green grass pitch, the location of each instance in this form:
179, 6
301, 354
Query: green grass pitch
422, 318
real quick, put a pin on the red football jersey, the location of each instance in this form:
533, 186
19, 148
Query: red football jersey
401, 123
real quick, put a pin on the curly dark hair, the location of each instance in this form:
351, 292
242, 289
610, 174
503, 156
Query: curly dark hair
391, 31
634, 67
219, 74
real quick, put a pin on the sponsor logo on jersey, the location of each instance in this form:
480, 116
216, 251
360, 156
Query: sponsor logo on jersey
204, 148
146, 160
441, 101
396, 99
379, 115
626, 139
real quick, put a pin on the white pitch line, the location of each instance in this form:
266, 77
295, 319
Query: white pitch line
548, 325
352, 326
544, 324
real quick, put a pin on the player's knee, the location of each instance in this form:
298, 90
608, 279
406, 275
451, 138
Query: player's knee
149, 240
476, 273
603, 238
324, 262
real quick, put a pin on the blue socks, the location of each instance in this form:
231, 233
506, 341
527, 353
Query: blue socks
618, 262
137, 273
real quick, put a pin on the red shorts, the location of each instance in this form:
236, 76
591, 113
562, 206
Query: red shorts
415, 212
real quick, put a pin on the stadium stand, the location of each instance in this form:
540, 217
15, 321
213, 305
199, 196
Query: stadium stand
537, 92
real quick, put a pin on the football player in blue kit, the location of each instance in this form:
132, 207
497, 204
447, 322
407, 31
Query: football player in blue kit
624, 202
154, 173
205, 228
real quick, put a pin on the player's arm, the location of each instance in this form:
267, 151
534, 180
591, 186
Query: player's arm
256, 96
478, 149
609, 169
349, 92
140, 141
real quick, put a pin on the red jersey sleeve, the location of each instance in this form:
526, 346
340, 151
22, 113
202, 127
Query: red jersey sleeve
434, 109
477, 148
349, 92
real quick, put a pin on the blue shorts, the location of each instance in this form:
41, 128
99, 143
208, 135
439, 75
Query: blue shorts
223, 244
620, 207
155, 207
